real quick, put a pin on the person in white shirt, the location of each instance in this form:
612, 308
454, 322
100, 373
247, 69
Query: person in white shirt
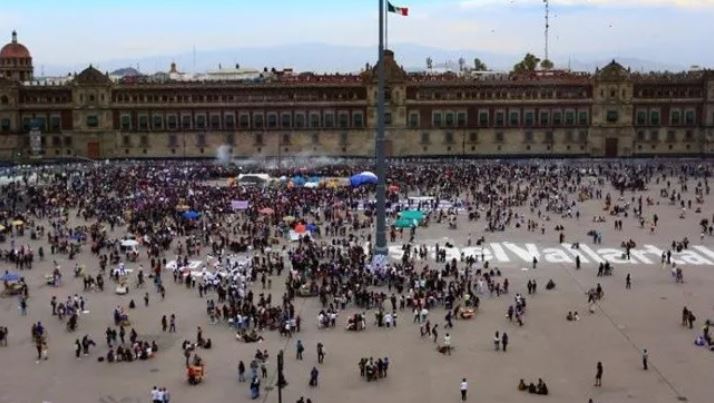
464, 387
155, 395
447, 343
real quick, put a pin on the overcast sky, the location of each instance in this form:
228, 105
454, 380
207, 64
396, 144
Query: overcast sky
82, 31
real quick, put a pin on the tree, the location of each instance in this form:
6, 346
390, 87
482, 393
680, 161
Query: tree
429, 63
462, 62
528, 64
546, 64
479, 65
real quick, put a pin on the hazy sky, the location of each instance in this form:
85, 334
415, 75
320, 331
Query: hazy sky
82, 31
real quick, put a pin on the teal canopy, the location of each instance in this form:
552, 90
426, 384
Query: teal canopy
412, 215
405, 223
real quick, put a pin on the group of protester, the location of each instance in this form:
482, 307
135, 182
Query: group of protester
331, 262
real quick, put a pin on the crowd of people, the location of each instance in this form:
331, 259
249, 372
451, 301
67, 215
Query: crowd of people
232, 258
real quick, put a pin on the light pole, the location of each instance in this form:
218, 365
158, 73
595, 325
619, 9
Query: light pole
381, 235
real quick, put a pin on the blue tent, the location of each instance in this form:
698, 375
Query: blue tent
298, 181
191, 215
312, 227
10, 276
364, 178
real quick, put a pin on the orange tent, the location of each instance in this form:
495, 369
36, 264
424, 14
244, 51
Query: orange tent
300, 228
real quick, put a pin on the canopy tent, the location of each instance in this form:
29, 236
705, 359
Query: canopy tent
298, 181
10, 276
257, 179
311, 185
129, 243
406, 223
300, 228
295, 236
266, 211
412, 215
364, 178
191, 215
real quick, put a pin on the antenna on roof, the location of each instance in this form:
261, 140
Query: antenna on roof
547, 26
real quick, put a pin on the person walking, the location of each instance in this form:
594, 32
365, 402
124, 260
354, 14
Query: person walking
299, 349
504, 341
320, 352
598, 374
464, 387
241, 371
23, 306
628, 282
645, 357
155, 395
313, 376
497, 341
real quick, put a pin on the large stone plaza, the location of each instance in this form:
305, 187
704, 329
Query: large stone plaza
563, 353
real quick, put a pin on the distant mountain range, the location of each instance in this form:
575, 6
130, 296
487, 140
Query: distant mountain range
319, 57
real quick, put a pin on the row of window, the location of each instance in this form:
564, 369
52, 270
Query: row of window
258, 139
528, 137
577, 93
256, 120
671, 136
676, 117
44, 99
441, 119
227, 98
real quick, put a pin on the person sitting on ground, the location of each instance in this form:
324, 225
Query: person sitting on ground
531, 388
541, 389
550, 285
522, 385
570, 316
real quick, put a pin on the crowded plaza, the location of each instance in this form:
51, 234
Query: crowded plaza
159, 280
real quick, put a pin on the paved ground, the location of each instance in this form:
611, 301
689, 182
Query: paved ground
563, 353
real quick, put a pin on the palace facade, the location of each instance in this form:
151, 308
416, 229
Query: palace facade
611, 113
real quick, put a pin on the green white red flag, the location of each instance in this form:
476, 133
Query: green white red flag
403, 11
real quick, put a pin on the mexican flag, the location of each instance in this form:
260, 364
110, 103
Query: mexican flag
404, 11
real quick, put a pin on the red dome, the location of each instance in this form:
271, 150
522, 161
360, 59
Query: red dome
14, 51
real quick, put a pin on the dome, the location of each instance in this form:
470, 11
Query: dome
90, 75
612, 72
14, 50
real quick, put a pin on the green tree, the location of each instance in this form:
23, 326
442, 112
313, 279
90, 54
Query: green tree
546, 64
528, 64
479, 65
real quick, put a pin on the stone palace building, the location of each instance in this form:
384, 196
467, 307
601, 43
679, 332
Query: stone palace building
611, 113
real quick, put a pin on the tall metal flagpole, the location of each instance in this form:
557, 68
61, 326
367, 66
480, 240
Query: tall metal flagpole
381, 235
386, 27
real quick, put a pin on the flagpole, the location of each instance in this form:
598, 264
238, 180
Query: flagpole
386, 28
381, 233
